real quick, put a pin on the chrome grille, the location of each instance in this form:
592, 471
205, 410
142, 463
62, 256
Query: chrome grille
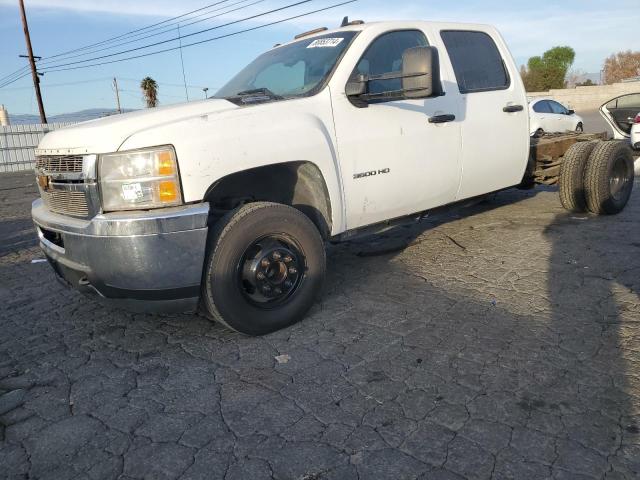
67, 202
59, 163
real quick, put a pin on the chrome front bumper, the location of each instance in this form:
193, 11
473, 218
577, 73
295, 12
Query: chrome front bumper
146, 261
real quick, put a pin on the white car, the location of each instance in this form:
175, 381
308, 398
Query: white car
546, 115
623, 114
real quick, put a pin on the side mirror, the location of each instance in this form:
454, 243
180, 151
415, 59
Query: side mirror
420, 72
570, 112
357, 86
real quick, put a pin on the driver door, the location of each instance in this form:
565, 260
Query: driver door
394, 161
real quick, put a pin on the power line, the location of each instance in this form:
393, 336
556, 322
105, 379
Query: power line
291, 5
14, 74
139, 29
102, 79
26, 74
209, 39
111, 39
64, 84
57, 69
168, 28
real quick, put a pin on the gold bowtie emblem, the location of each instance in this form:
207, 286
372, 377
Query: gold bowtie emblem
43, 181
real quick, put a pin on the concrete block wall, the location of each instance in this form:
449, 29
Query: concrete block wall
588, 98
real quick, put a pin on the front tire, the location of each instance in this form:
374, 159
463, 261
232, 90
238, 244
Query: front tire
580, 128
264, 270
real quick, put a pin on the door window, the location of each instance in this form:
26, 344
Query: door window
557, 108
476, 61
384, 55
629, 101
542, 107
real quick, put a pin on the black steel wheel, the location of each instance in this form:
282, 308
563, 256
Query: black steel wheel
265, 268
271, 270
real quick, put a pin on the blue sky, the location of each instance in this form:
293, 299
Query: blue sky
594, 29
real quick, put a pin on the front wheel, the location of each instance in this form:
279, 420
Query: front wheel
579, 128
265, 268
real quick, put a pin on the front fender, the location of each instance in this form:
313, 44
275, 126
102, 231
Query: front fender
213, 146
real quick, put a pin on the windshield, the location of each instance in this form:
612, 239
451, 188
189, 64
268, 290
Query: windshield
294, 70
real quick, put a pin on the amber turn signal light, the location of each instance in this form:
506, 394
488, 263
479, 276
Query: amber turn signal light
165, 163
168, 191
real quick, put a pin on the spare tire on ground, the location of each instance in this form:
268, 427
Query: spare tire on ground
608, 177
571, 180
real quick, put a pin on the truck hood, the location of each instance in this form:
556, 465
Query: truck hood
106, 134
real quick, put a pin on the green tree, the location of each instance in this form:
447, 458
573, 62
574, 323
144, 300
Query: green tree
149, 91
549, 70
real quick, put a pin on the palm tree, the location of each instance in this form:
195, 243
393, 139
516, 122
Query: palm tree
149, 91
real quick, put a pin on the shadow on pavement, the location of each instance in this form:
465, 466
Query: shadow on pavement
483, 348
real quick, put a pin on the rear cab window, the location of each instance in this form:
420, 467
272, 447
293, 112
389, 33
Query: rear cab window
477, 62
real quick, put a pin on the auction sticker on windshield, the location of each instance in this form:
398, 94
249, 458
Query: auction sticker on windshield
325, 42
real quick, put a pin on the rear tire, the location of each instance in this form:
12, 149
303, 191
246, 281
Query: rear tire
571, 180
265, 268
608, 177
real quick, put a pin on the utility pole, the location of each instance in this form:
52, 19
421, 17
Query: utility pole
115, 86
32, 62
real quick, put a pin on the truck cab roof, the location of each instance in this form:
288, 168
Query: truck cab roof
384, 26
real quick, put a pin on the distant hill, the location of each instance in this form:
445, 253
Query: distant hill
81, 116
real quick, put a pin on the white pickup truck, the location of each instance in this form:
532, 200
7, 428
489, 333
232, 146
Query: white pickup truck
226, 203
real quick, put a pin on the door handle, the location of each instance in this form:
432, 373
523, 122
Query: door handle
442, 118
513, 108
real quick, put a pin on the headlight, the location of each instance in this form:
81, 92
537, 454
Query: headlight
139, 179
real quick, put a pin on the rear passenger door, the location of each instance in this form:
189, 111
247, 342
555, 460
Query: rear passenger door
495, 125
394, 161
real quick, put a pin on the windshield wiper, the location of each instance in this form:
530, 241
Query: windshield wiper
263, 91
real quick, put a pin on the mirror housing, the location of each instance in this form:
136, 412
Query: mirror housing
421, 72
357, 86
570, 112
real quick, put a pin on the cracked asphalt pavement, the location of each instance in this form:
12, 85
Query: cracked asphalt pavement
498, 342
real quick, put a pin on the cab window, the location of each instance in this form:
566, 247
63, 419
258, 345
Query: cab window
476, 61
384, 55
